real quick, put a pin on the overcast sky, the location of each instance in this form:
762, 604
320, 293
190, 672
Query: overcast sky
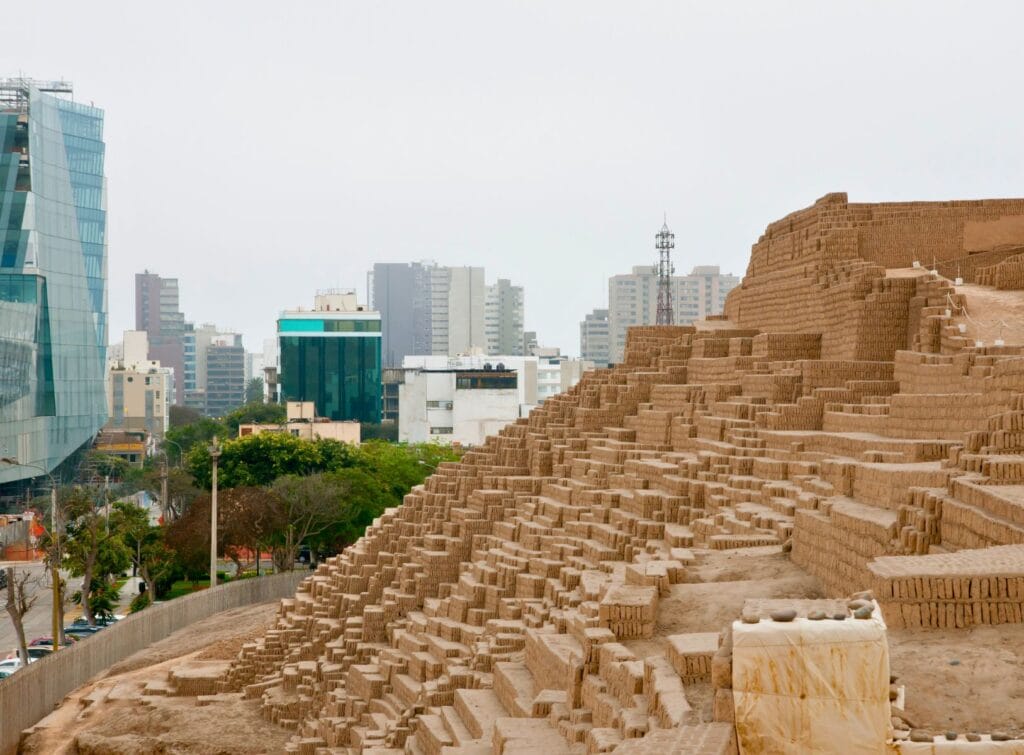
261, 150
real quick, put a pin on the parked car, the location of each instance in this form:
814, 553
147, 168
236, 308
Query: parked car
101, 621
13, 664
4, 673
34, 651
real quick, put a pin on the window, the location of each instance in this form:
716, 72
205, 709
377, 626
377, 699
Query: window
439, 404
440, 431
483, 381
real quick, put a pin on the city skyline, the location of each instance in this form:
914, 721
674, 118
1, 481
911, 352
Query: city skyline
552, 169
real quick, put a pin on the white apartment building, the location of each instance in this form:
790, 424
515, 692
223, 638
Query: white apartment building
633, 300
503, 318
460, 406
139, 390
594, 338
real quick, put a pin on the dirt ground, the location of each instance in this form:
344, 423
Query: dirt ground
107, 716
991, 313
968, 680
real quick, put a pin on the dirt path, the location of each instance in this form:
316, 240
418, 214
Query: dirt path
110, 715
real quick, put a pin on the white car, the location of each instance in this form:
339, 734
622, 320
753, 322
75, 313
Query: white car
13, 664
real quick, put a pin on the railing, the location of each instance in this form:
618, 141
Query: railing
32, 692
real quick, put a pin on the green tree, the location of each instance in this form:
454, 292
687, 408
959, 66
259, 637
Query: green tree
308, 506
150, 556
254, 413
179, 416
194, 434
92, 550
261, 459
254, 391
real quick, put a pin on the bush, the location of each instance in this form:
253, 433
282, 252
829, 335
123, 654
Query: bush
139, 602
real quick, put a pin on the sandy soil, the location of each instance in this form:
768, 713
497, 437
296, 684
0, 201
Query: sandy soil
993, 314
107, 716
962, 680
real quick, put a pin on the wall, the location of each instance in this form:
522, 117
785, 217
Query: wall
29, 695
481, 412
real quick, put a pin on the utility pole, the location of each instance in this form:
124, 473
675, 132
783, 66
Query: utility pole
164, 503
665, 242
55, 614
215, 455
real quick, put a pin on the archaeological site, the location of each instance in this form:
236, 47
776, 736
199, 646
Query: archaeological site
795, 528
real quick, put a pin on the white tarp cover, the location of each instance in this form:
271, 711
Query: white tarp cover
811, 686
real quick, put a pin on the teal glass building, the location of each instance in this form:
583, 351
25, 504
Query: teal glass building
332, 357
53, 275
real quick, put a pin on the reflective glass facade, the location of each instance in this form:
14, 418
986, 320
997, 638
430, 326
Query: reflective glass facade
53, 272
334, 362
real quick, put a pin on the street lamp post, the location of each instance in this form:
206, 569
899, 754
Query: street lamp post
214, 455
165, 502
55, 564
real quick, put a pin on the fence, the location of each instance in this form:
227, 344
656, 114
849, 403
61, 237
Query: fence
31, 693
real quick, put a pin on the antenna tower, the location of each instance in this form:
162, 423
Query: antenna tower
665, 242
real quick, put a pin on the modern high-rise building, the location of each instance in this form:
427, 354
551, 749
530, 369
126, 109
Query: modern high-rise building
53, 275
225, 375
428, 309
214, 369
467, 296
158, 313
503, 318
401, 293
594, 338
332, 357
633, 300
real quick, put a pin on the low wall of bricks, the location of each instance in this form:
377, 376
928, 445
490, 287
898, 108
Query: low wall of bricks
33, 692
951, 590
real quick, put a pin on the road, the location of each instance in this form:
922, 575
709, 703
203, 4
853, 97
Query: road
38, 621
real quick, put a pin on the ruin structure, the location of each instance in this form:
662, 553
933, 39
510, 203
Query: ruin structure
860, 406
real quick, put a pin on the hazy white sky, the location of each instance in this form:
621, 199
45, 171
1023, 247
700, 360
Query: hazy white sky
261, 150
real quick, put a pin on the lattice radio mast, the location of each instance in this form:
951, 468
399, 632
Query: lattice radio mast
665, 242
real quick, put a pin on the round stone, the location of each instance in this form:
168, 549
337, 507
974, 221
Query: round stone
951, 735
893, 692
750, 618
920, 735
999, 736
816, 615
783, 614
853, 605
954, 662
863, 595
839, 616
973, 737
864, 612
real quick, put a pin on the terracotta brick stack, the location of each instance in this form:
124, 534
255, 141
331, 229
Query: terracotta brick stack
511, 604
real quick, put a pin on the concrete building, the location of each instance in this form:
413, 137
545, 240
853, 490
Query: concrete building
392, 378
633, 300
460, 406
158, 313
503, 318
302, 422
331, 355
537, 377
139, 390
225, 375
467, 297
429, 309
401, 292
594, 342
53, 286
214, 370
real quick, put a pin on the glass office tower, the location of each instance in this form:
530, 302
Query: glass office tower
332, 357
53, 275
